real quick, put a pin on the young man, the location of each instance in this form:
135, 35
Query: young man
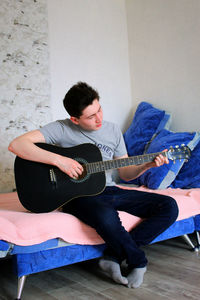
86, 125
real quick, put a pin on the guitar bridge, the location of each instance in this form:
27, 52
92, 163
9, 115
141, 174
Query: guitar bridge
52, 177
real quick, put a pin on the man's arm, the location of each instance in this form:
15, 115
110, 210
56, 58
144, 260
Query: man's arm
132, 172
24, 147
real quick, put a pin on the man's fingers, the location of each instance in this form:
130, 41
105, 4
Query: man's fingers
160, 160
76, 170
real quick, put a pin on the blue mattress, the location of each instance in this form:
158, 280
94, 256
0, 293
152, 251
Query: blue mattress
178, 228
56, 253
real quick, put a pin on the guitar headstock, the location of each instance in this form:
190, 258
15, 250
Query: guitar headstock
179, 152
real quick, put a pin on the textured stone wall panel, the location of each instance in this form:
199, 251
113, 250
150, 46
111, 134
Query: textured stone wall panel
24, 76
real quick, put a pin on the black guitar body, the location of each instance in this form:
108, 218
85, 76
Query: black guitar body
44, 188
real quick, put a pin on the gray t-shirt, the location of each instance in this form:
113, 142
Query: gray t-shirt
108, 139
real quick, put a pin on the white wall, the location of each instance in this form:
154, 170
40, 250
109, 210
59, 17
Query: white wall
164, 47
88, 42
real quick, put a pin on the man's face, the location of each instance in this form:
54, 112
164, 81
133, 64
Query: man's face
91, 118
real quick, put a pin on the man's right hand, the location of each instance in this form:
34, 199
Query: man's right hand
69, 166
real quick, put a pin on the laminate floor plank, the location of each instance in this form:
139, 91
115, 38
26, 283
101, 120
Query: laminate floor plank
79, 292
124, 293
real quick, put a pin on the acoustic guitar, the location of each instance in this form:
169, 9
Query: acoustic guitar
44, 188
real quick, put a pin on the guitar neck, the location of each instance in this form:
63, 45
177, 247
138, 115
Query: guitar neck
102, 166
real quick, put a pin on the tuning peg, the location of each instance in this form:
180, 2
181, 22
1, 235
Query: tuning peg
177, 146
182, 145
186, 160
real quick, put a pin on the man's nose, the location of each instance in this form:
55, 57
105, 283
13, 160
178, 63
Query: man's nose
98, 117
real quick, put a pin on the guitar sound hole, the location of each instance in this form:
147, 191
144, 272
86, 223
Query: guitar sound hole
84, 176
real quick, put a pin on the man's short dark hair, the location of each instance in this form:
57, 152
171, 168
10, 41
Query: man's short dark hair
78, 98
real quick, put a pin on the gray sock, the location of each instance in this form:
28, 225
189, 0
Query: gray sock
112, 269
135, 277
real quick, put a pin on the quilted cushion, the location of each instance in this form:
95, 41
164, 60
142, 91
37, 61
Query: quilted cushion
147, 121
189, 175
162, 177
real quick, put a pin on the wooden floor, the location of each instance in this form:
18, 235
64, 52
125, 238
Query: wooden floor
173, 273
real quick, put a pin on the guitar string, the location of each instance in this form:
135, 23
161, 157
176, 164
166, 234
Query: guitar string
87, 136
89, 139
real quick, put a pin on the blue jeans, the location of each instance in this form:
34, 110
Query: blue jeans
100, 212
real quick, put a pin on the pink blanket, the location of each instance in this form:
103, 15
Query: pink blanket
24, 228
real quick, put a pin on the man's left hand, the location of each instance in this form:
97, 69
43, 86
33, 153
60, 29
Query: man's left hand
158, 161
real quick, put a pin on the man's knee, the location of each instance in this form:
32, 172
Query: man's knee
172, 208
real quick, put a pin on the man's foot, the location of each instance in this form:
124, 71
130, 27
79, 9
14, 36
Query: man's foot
135, 277
112, 269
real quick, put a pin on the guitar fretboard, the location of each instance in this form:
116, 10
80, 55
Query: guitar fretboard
101, 166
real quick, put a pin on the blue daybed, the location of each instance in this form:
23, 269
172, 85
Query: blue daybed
56, 252
148, 132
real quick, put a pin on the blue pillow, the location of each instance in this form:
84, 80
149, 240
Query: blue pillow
147, 121
189, 175
146, 124
162, 177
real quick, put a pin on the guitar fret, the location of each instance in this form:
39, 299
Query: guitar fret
117, 163
113, 164
151, 157
98, 166
102, 166
147, 159
93, 167
87, 166
131, 161
122, 162
125, 162
141, 160
106, 165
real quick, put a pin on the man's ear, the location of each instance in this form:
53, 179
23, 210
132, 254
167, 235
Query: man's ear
74, 120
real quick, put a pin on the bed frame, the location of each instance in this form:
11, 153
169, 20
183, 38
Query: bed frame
56, 253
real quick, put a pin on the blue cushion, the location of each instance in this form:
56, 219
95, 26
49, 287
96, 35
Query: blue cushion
147, 121
162, 177
189, 175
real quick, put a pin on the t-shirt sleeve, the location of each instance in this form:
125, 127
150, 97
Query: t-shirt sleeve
120, 149
52, 132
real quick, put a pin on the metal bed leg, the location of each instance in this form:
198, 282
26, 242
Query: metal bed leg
198, 239
21, 281
189, 242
